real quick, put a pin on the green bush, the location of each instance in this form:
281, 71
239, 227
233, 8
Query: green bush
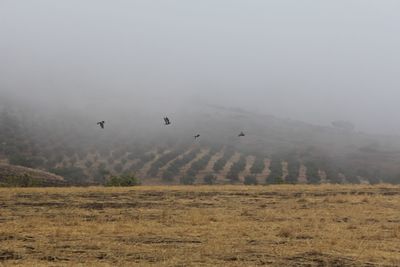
123, 180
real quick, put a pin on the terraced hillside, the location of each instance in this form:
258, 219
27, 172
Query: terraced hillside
273, 150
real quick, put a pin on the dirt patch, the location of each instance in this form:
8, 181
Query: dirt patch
6, 255
313, 258
157, 240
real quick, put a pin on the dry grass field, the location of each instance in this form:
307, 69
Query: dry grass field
281, 225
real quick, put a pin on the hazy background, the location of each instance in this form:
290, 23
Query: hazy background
315, 61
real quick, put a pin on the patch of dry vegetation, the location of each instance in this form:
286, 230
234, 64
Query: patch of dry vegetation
281, 225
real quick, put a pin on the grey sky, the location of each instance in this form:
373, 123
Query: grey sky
315, 61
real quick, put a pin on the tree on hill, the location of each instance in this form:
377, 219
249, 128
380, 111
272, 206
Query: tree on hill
293, 171
258, 166
73, 175
312, 173
275, 175
201, 163
236, 168
177, 164
162, 161
220, 163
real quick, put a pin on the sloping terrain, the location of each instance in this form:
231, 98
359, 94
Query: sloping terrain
74, 148
21, 176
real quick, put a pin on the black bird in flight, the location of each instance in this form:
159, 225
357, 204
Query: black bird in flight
166, 121
101, 123
196, 136
241, 134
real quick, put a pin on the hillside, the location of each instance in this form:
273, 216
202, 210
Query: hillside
274, 150
26, 177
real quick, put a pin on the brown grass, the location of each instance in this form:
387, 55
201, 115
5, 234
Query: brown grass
284, 225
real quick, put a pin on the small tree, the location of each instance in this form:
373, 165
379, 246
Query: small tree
275, 176
312, 173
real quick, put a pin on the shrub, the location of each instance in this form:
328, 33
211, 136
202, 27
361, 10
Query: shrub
123, 180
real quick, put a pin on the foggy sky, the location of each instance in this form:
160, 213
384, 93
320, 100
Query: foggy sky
315, 61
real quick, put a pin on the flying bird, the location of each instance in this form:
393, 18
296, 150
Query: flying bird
166, 121
196, 136
241, 134
101, 123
